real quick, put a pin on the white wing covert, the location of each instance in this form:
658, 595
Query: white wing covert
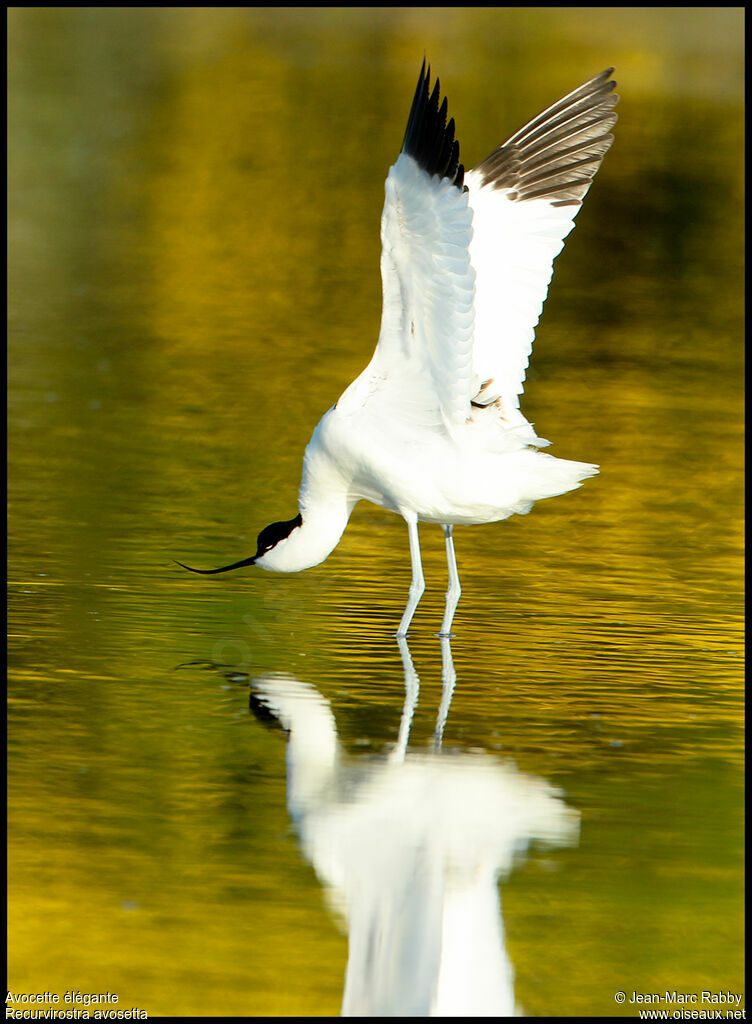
524, 198
423, 363
467, 259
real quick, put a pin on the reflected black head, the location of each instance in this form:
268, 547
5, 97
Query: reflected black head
263, 713
269, 537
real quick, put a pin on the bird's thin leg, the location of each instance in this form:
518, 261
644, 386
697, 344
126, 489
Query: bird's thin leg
454, 590
418, 584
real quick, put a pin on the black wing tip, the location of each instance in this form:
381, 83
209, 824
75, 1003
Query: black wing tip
429, 137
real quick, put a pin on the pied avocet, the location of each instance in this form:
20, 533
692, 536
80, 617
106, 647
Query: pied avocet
432, 428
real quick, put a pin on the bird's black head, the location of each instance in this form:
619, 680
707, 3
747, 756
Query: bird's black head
269, 537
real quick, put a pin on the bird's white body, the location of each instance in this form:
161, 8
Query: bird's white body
432, 428
484, 474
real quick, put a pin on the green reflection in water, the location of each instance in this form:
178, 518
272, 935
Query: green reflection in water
193, 222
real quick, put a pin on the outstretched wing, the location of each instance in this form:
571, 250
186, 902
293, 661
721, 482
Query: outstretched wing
422, 367
524, 199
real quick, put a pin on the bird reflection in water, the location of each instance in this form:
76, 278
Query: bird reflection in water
410, 847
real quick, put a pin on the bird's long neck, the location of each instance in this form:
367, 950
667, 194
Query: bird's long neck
315, 539
325, 507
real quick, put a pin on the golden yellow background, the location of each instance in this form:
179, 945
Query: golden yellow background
194, 209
